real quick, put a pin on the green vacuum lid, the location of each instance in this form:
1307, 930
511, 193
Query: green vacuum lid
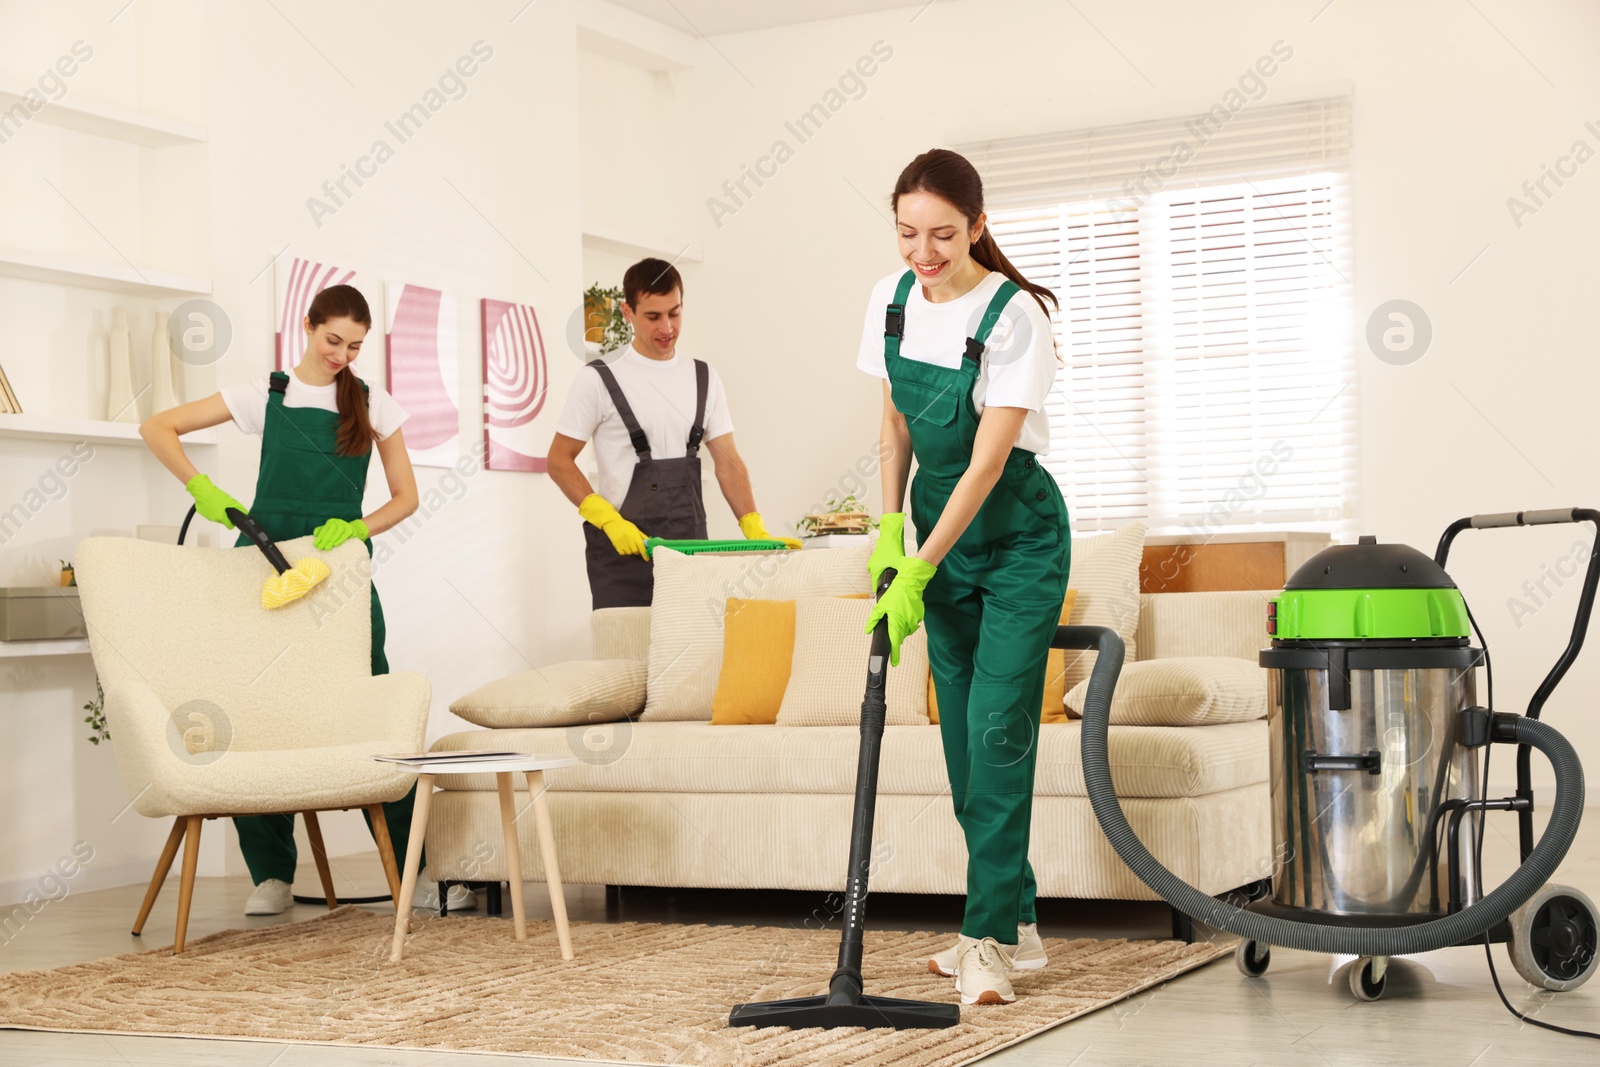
1368, 591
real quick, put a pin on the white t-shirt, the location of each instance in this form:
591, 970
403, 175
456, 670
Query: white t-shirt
1019, 359
661, 393
247, 403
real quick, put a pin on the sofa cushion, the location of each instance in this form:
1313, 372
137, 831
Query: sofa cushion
757, 651
1183, 691
1105, 572
697, 757
564, 694
829, 672
691, 593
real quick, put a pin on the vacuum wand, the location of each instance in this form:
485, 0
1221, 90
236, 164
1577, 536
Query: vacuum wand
845, 1004
289, 583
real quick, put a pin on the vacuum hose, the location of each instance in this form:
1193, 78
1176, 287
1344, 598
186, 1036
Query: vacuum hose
1444, 932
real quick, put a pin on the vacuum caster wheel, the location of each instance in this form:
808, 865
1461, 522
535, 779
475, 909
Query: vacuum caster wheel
1369, 977
1252, 958
1553, 939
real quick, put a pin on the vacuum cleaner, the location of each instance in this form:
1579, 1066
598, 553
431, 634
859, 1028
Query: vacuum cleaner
1378, 800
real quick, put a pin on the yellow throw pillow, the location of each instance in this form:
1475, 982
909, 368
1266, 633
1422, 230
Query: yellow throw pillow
1055, 677
757, 651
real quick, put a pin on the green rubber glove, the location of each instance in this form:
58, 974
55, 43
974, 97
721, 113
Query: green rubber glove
336, 532
212, 503
891, 546
902, 603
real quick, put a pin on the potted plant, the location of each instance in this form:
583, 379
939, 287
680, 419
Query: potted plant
68, 576
846, 516
603, 323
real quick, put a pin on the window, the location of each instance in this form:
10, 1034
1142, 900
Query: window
1203, 270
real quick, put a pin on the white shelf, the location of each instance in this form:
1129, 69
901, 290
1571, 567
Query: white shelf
95, 431
57, 269
70, 646
619, 243
108, 120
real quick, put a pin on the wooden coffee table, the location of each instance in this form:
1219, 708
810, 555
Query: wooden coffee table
532, 768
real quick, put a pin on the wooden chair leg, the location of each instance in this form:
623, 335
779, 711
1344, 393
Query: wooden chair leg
163, 865
320, 854
191, 860
380, 836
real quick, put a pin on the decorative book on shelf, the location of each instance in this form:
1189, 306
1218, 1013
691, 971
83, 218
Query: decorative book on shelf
8, 399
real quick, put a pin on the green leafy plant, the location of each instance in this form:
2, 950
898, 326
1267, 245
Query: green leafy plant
602, 318
838, 515
68, 575
97, 715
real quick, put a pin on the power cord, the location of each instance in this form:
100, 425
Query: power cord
1477, 866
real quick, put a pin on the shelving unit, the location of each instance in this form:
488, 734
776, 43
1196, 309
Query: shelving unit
95, 431
56, 269
108, 120
71, 646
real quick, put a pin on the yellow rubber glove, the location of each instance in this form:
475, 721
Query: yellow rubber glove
902, 603
625, 537
212, 503
336, 532
755, 530
891, 546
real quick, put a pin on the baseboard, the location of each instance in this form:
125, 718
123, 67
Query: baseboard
88, 878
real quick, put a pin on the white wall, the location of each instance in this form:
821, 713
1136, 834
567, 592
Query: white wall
1449, 121
487, 586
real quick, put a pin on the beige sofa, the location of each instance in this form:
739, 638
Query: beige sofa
691, 804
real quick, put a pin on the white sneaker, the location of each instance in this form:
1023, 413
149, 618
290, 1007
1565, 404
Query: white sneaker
271, 897
457, 898
981, 973
1029, 954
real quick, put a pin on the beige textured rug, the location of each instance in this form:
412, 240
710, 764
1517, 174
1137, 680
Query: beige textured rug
636, 993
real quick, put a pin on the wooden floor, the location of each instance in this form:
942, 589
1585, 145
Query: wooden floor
1440, 1009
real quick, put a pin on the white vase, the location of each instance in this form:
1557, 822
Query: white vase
162, 393
120, 400
98, 370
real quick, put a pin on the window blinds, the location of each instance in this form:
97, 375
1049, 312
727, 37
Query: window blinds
1203, 269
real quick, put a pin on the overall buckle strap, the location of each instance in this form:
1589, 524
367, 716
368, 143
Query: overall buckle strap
702, 385
641, 443
278, 382
894, 319
991, 315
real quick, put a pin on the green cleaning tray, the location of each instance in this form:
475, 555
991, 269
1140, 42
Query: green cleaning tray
690, 548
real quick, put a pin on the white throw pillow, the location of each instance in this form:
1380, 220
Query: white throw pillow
1182, 691
691, 594
828, 676
565, 694
1105, 572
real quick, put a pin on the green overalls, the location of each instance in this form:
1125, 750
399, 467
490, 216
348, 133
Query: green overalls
991, 611
303, 482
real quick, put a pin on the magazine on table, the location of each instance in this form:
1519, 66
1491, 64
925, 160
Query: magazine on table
422, 759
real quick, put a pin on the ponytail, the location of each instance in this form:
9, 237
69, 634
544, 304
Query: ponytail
355, 434
949, 176
355, 424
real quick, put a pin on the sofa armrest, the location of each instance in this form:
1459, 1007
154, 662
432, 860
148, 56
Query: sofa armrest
1232, 623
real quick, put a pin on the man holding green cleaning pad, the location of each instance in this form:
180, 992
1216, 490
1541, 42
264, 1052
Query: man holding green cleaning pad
319, 424
647, 411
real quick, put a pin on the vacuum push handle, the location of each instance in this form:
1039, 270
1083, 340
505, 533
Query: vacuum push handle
1591, 580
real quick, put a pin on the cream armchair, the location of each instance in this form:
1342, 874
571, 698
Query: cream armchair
218, 707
